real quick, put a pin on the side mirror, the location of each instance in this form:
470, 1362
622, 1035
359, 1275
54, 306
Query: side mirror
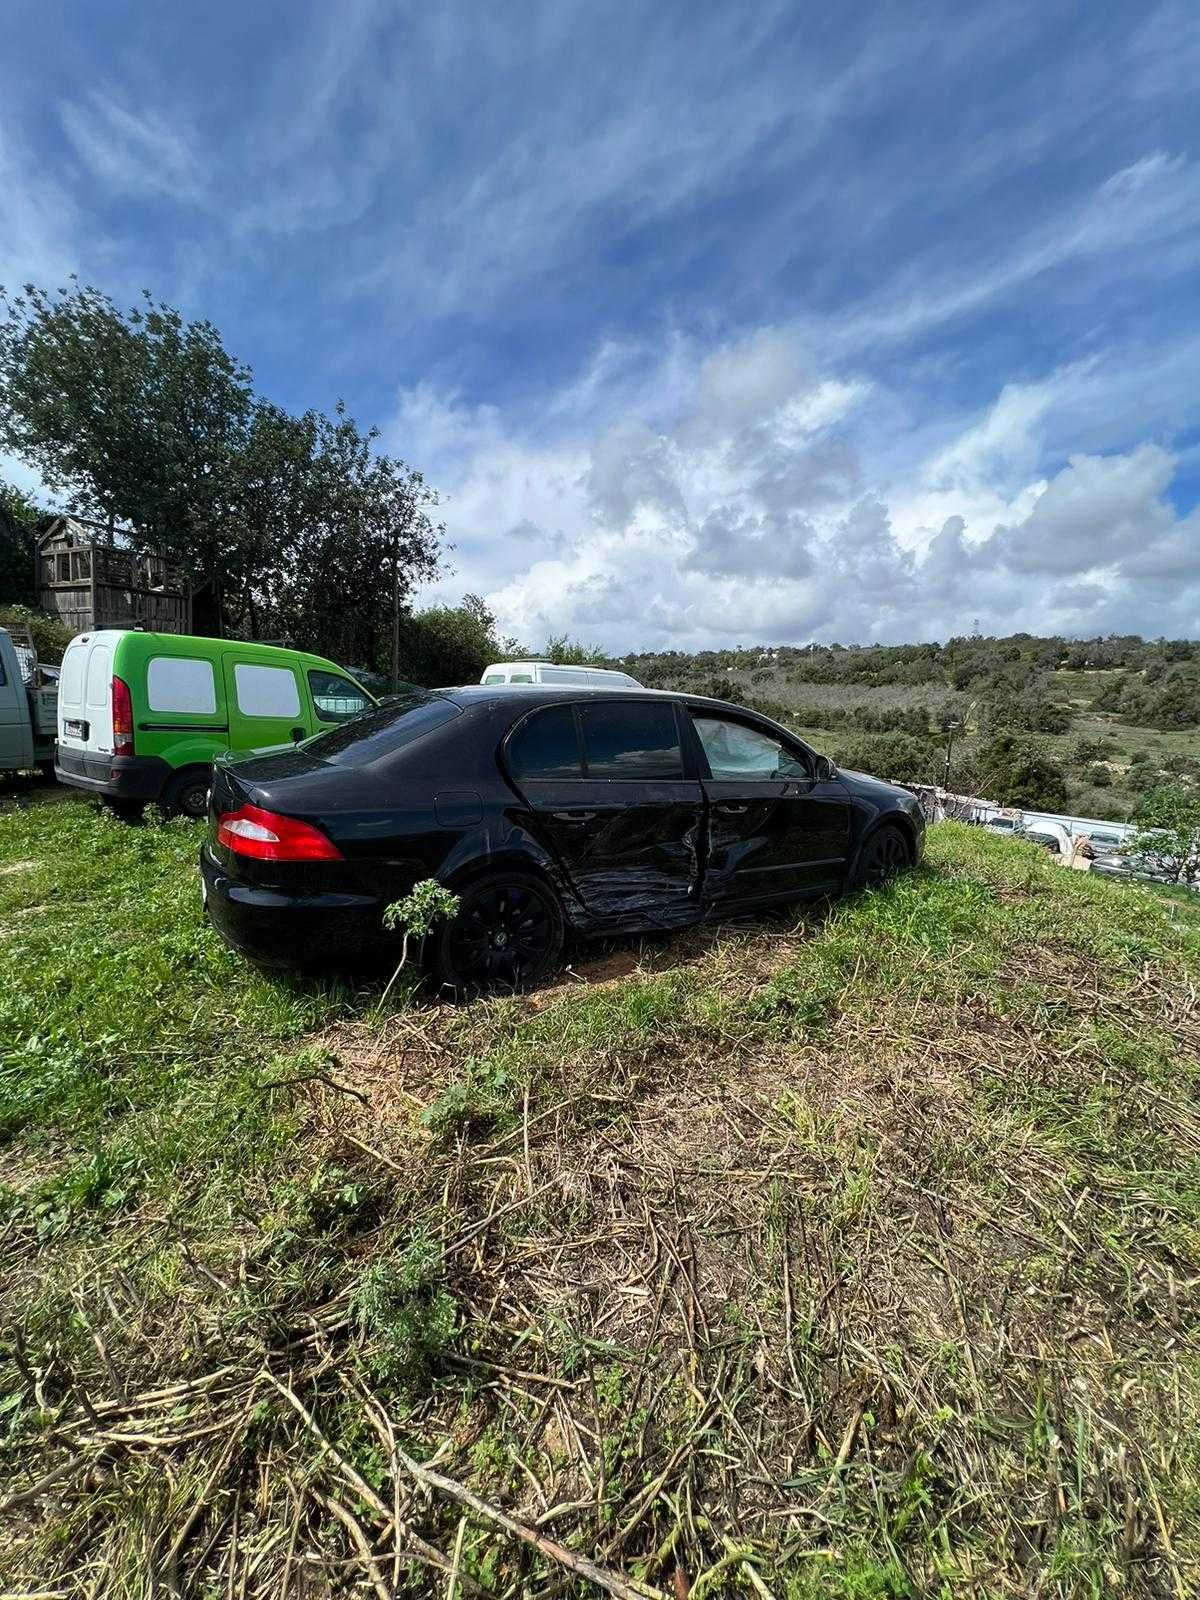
825, 769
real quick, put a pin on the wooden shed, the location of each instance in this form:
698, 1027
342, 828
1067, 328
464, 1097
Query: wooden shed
89, 577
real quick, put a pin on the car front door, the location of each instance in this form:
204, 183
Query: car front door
776, 826
607, 793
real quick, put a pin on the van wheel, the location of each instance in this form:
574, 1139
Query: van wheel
187, 793
507, 934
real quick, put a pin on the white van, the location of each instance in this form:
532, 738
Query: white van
547, 672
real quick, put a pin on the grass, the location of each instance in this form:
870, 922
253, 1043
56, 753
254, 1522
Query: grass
854, 1253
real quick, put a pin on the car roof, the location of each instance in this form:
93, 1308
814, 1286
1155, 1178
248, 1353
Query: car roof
532, 694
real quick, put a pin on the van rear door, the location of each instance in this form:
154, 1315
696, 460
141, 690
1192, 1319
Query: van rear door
85, 697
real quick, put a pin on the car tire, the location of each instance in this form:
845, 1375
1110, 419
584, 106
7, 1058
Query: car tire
884, 855
187, 793
506, 935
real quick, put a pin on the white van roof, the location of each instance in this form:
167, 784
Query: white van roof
563, 666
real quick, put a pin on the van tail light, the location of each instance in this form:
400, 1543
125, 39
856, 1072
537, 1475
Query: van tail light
267, 836
122, 715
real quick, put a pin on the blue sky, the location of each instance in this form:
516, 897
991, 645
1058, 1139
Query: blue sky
713, 323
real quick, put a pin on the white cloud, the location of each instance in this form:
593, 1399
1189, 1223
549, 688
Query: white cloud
132, 152
752, 516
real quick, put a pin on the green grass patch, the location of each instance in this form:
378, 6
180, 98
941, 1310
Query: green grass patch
852, 1253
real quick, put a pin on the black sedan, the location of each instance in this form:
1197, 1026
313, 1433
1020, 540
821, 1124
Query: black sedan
546, 810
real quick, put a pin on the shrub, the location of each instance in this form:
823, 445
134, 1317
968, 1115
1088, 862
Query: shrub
1169, 819
1016, 771
405, 1312
50, 637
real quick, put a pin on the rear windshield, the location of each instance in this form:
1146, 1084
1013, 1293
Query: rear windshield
383, 730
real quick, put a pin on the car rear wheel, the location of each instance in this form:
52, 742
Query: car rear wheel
187, 793
506, 934
886, 853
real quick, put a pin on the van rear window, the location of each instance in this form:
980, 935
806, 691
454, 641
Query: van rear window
71, 684
382, 731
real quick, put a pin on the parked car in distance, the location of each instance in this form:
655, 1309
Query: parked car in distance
28, 696
1146, 865
141, 715
549, 672
547, 810
1050, 836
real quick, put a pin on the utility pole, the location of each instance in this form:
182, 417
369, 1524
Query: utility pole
396, 617
948, 728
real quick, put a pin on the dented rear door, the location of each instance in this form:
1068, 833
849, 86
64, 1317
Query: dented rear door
607, 795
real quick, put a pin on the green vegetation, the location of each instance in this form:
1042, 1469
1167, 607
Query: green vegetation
289, 527
850, 1254
1096, 708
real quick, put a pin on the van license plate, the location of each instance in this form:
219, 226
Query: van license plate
77, 730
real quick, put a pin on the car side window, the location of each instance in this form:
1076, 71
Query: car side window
631, 739
546, 745
336, 699
521, 677
266, 691
737, 751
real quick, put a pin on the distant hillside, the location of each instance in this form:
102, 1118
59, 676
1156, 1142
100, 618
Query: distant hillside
1116, 716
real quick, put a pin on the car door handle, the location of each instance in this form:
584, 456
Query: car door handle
573, 816
732, 808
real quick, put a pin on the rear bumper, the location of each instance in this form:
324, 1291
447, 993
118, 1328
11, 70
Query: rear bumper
283, 930
121, 777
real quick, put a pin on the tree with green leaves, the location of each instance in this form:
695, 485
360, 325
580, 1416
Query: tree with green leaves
143, 421
1014, 770
1168, 821
450, 644
566, 652
18, 524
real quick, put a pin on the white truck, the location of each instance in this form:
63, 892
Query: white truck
28, 706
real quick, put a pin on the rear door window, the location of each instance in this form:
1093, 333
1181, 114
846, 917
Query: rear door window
631, 739
71, 684
266, 691
99, 677
181, 684
546, 745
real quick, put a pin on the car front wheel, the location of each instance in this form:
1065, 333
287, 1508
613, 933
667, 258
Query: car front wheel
506, 934
886, 853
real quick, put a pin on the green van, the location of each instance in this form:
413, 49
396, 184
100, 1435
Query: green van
141, 715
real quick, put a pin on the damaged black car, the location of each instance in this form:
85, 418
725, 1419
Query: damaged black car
550, 812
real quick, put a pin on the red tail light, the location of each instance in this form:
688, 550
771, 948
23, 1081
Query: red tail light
122, 714
267, 836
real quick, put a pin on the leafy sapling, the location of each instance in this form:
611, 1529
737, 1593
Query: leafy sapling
418, 913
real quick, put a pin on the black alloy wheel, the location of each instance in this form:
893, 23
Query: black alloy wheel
187, 795
507, 933
885, 854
